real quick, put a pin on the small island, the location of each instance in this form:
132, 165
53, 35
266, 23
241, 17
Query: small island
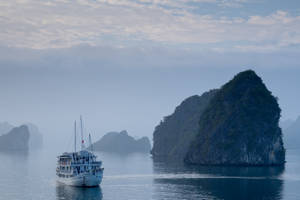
35, 136
16, 139
122, 143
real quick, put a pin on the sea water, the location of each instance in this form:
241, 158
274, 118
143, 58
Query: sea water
31, 175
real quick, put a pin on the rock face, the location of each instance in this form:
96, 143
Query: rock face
239, 126
121, 142
172, 137
16, 139
292, 134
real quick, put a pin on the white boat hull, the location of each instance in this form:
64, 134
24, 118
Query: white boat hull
83, 180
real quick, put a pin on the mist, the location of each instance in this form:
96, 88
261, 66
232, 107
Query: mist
123, 89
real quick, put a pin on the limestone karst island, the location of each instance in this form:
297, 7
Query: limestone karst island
237, 124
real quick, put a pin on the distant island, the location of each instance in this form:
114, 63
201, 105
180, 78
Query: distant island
122, 143
9, 133
291, 132
234, 125
16, 139
5, 127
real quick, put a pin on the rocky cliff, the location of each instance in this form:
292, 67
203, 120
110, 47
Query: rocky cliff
121, 142
239, 126
16, 139
172, 137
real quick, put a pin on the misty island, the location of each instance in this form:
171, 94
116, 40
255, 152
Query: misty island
237, 124
122, 143
20, 138
291, 134
16, 139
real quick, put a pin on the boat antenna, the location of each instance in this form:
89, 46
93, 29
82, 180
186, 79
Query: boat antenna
91, 144
82, 140
75, 135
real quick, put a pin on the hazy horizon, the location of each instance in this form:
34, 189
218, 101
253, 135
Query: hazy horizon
115, 99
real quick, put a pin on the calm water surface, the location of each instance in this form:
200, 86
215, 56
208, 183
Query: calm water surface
31, 176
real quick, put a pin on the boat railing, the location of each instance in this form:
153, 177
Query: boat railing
86, 163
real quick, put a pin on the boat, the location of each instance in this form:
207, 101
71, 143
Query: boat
79, 168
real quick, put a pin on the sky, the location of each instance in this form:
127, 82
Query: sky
127, 64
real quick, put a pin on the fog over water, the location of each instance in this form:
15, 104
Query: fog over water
113, 97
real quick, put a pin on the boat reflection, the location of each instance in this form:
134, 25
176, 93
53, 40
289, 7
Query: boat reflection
77, 193
208, 182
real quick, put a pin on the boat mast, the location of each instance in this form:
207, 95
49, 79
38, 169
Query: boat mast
82, 141
75, 135
90, 141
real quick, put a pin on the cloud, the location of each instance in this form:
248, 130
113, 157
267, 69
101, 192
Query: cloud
257, 48
42, 24
232, 3
276, 18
